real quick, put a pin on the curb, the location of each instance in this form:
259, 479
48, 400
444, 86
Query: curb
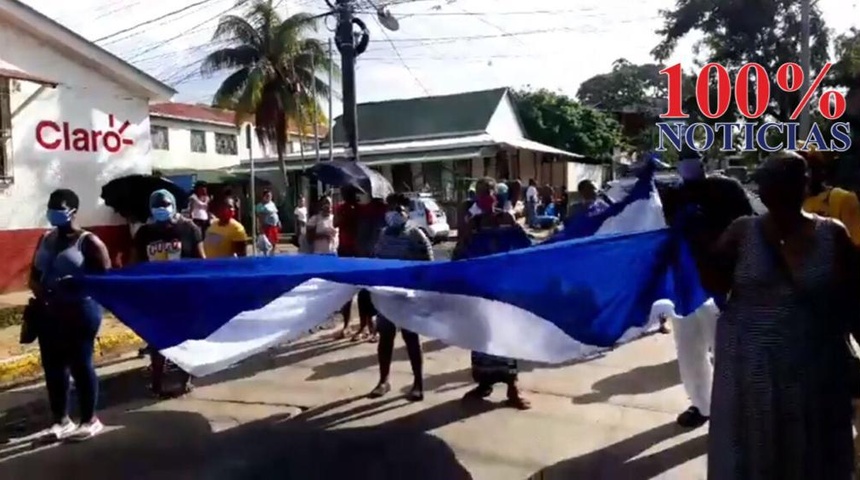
28, 367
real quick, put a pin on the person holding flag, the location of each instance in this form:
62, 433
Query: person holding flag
492, 230
703, 206
167, 236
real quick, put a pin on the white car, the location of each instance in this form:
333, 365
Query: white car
426, 214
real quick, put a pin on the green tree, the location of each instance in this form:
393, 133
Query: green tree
560, 121
627, 87
275, 65
846, 74
735, 32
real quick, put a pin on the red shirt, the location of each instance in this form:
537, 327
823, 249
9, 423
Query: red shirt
346, 220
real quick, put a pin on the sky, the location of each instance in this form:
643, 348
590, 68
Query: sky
441, 47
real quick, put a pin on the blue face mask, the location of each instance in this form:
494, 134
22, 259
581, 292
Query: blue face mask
395, 219
161, 214
59, 218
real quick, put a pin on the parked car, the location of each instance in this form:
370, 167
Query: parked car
427, 215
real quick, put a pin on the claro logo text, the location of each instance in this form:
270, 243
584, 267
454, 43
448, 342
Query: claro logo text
52, 135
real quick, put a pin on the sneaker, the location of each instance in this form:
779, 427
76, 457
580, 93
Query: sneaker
87, 430
63, 429
692, 418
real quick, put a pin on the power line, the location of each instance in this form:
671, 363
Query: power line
164, 22
181, 34
397, 52
151, 21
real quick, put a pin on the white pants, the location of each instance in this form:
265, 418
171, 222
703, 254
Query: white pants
694, 340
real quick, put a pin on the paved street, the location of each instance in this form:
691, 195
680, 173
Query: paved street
301, 413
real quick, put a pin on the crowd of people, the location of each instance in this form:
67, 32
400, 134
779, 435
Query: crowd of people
778, 394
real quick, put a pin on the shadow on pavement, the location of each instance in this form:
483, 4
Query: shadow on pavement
618, 461
640, 380
173, 445
346, 366
131, 387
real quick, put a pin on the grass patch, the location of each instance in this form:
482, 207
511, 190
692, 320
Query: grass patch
14, 315
11, 316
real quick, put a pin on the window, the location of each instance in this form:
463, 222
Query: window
160, 137
225, 144
198, 141
5, 131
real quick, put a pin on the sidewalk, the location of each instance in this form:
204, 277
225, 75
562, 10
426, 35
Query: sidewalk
302, 412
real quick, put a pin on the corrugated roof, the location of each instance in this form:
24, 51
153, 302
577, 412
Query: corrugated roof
197, 113
444, 115
206, 114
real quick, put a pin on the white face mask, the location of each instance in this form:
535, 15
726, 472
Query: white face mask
395, 219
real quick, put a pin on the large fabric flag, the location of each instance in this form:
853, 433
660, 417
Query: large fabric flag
548, 303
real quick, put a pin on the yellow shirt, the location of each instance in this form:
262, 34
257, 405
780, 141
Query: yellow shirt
839, 204
220, 238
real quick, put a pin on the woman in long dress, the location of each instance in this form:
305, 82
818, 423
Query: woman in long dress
781, 405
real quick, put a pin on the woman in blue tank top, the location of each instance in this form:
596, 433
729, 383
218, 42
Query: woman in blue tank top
70, 320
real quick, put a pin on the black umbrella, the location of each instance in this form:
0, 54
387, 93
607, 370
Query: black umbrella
129, 195
341, 173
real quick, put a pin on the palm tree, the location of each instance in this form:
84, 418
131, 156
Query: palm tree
274, 64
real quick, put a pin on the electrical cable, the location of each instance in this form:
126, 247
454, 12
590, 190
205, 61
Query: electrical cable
153, 20
397, 52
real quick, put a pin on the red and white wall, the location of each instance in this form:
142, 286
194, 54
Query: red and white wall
81, 134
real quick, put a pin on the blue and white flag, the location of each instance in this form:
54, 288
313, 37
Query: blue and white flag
548, 303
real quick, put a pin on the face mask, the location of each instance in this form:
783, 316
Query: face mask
486, 202
162, 214
502, 199
395, 219
226, 214
59, 218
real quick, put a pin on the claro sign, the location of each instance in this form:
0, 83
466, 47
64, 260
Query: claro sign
63, 136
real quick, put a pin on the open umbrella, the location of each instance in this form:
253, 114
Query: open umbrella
341, 173
129, 195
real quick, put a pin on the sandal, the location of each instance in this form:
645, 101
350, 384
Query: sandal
519, 403
381, 390
373, 338
415, 395
359, 336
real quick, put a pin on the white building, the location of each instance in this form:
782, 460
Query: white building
198, 137
71, 115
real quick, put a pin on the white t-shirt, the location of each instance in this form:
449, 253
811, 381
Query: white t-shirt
323, 225
301, 214
532, 194
199, 207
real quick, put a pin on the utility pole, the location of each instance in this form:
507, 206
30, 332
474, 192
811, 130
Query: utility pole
315, 115
330, 101
805, 63
346, 46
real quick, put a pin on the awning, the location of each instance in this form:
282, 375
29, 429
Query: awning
375, 160
208, 176
527, 144
9, 71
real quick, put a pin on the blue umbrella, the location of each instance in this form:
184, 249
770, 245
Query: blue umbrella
341, 173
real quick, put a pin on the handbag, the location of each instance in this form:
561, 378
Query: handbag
35, 315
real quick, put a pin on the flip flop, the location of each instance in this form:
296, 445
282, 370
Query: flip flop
381, 390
